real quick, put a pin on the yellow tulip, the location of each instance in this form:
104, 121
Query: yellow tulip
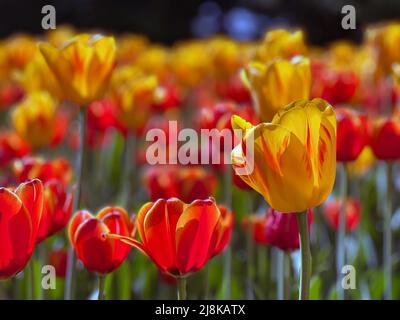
294, 155
34, 119
57, 37
82, 66
386, 40
277, 83
20, 50
155, 60
38, 77
281, 43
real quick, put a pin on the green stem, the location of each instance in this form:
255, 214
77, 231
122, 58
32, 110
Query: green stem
341, 235
250, 264
305, 270
181, 282
68, 291
287, 289
387, 233
280, 273
30, 281
227, 254
128, 185
101, 295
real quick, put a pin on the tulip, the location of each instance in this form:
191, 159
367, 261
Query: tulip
57, 169
281, 43
385, 138
20, 50
10, 94
12, 146
294, 163
282, 231
256, 226
352, 134
277, 83
37, 120
19, 225
296, 152
186, 183
58, 259
82, 66
352, 212
180, 238
56, 210
98, 253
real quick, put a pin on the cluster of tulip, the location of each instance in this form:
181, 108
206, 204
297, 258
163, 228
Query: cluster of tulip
92, 98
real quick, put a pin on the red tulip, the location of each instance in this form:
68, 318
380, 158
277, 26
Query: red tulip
180, 238
167, 97
257, 225
186, 183
351, 135
352, 213
46, 170
87, 235
56, 211
385, 138
20, 215
58, 259
282, 230
9, 95
12, 146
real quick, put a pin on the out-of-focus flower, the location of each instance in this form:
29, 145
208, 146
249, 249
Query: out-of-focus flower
130, 47
87, 234
82, 66
167, 97
58, 259
257, 226
190, 63
12, 146
20, 50
185, 183
38, 121
134, 95
37, 76
352, 134
21, 212
276, 84
234, 89
386, 40
10, 94
296, 153
385, 138
335, 86
45, 170
155, 60
56, 210
352, 212
180, 238
282, 231
225, 57
281, 43
363, 163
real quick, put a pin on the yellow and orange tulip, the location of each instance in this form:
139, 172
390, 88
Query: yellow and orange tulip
276, 84
294, 155
82, 66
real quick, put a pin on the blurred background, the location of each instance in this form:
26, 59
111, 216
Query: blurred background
167, 21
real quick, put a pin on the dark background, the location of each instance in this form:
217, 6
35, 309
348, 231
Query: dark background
167, 21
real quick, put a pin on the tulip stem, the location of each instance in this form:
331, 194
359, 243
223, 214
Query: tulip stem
287, 289
68, 293
280, 272
305, 269
227, 254
341, 235
387, 233
101, 295
181, 282
128, 186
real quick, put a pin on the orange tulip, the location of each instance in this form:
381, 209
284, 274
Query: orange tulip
82, 66
180, 238
87, 236
20, 216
